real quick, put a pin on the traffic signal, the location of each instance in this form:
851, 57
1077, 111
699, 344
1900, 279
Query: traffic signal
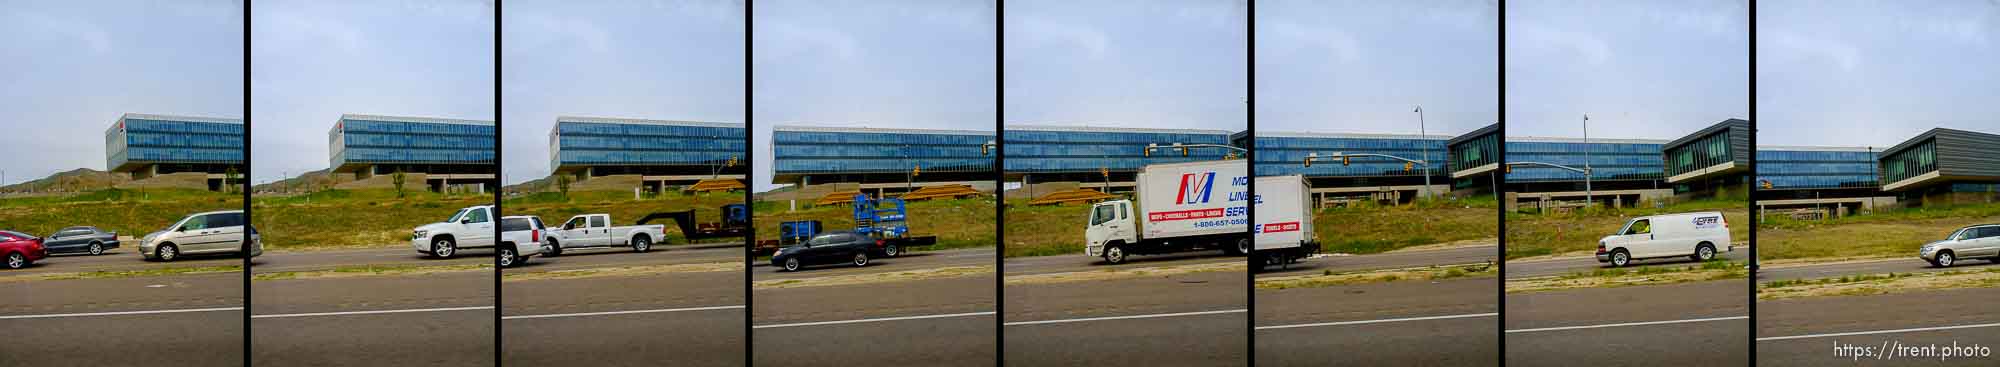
1184, 152
1767, 184
1309, 161
914, 171
1344, 161
1407, 166
1148, 152
1510, 169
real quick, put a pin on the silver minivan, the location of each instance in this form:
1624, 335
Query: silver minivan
216, 232
1974, 242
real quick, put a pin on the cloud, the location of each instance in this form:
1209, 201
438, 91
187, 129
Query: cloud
1339, 44
297, 29
1093, 42
89, 34
1791, 47
1547, 42
792, 40
544, 30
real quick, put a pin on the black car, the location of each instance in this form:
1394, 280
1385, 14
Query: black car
81, 240
832, 247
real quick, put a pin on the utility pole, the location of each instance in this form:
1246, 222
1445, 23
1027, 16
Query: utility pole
1586, 162
1427, 151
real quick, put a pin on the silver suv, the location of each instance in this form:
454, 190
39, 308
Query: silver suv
1974, 242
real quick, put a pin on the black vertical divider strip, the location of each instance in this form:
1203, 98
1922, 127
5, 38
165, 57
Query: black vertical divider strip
1250, 160
1500, 191
999, 183
247, 174
500, 177
1751, 204
750, 179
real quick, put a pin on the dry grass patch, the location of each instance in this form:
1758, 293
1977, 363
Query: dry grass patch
108, 274
1329, 278
624, 271
1122, 273
895, 276
372, 270
1625, 277
1878, 284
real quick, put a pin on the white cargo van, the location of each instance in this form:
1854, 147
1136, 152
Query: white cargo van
1693, 235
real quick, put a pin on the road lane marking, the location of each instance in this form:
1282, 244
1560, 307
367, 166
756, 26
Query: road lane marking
373, 312
1561, 328
608, 313
118, 313
1935, 328
1107, 318
1377, 321
856, 321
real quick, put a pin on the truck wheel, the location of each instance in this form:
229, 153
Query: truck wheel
555, 248
508, 258
892, 251
861, 258
96, 249
1114, 254
1242, 247
1620, 258
443, 248
792, 264
641, 244
1704, 252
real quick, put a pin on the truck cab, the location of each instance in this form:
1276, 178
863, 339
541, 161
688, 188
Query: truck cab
1110, 222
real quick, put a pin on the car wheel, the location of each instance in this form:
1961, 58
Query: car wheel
1945, 259
167, 252
792, 264
1620, 258
1114, 254
1704, 252
861, 258
641, 244
443, 248
16, 261
555, 248
96, 249
892, 251
508, 258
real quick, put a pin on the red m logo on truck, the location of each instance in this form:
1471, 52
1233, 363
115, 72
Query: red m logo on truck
1195, 188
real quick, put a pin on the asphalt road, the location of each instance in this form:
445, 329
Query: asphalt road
125, 257
444, 319
1686, 324
1195, 319
181, 320
1387, 260
1408, 323
1898, 265
1079, 262
934, 322
1560, 266
1806, 331
678, 319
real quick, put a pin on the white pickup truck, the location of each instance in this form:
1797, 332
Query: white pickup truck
471, 227
595, 230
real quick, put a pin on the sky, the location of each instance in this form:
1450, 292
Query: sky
74, 67
1129, 63
883, 64
312, 61
1639, 69
664, 60
1873, 73
1363, 66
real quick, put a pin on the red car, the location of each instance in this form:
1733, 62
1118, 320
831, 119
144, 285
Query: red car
20, 249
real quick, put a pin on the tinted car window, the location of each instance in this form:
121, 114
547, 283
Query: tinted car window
824, 239
515, 224
1988, 232
478, 216
596, 221
226, 220
196, 222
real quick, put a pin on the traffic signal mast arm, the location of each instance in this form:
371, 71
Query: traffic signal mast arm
1348, 158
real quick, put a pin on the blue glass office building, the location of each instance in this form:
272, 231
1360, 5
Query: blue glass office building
1943, 166
1791, 168
818, 155
1615, 163
1085, 154
454, 149
668, 150
146, 145
1473, 159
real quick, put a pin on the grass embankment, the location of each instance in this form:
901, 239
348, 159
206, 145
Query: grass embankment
957, 223
1530, 235
352, 218
111, 274
1623, 277
624, 209
1867, 284
1885, 233
1359, 229
131, 213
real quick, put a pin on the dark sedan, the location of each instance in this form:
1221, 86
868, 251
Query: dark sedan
81, 240
827, 248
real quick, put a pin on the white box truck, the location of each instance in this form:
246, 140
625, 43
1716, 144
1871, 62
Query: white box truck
1284, 231
1181, 207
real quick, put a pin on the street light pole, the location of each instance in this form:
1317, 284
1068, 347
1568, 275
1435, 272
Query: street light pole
1427, 151
1586, 162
